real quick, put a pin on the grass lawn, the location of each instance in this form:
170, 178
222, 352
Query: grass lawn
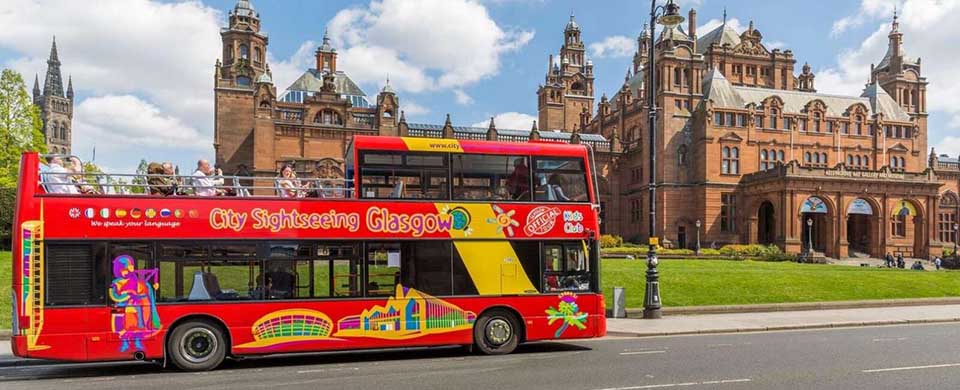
717, 282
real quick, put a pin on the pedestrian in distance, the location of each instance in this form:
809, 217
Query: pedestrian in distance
901, 263
888, 259
937, 262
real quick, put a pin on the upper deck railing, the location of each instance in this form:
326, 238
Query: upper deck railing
65, 181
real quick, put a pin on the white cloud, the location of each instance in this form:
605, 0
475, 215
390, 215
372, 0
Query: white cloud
162, 53
285, 72
926, 28
413, 109
869, 9
423, 44
462, 97
509, 120
775, 45
613, 47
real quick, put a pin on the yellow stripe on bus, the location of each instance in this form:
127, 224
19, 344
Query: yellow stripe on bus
418, 144
483, 245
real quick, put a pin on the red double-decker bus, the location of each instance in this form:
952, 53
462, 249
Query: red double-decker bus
427, 242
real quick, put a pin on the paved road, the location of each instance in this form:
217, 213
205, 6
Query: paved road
890, 357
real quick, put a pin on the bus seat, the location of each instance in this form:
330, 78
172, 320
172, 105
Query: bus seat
282, 284
198, 292
212, 284
397, 190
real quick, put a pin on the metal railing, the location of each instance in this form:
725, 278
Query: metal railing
111, 184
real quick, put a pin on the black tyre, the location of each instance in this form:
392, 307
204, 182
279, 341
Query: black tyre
496, 332
196, 346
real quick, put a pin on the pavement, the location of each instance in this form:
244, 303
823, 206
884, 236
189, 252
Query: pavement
887, 357
783, 320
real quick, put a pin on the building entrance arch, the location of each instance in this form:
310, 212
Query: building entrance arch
766, 223
862, 228
816, 229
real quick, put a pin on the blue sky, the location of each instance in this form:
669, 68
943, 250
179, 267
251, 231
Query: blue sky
143, 69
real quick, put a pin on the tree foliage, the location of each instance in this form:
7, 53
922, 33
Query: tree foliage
20, 126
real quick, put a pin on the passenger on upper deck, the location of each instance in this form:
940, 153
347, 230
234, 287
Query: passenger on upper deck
203, 182
161, 185
57, 178
519, 181
288, 186
77, 168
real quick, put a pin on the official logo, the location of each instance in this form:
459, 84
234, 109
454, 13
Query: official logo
541, 220
74, 213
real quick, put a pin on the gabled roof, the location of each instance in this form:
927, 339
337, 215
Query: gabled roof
718, 90
723, 34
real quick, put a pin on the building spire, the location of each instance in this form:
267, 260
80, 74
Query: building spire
53, 82
724, 17
70, 88
36, 87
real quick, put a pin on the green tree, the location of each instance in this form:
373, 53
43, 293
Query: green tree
141, 179
20, 126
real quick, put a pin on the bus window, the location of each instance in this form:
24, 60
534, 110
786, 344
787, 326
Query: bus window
565, 267
403, 176
383, 268
425, 266
220, 272
560, 180
489, 177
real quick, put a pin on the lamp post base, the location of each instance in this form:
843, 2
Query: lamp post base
652, 314
651, 299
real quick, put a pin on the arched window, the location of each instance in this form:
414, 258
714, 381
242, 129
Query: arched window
859, 125
866, 161
806, 158
947, 217
903, 163
816, 158
816, 122
773, 119
823, 158
682, 155
328, 117
893, 162
780, 156
257, 55
849, 160
244, 52
858, 161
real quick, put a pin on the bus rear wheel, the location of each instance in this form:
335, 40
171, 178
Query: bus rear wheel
495, 332
196, 346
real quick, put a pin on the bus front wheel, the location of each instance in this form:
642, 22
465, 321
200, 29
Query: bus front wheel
495, 332
196, 346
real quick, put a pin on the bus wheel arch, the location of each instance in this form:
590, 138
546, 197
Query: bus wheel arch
500, 318
212, 321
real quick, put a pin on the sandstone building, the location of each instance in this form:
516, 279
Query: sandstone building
746, 144
56, 106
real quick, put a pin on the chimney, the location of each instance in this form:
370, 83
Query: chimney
692, 24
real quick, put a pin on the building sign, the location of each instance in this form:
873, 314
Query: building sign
815, 205
904, 208
860, 206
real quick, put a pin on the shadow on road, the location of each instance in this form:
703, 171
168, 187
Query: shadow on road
114, 369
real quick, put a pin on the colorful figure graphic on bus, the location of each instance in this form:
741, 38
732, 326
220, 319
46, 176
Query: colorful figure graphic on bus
568, 311
135, 292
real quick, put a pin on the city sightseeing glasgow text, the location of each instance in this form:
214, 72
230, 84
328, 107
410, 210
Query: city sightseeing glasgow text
377, 220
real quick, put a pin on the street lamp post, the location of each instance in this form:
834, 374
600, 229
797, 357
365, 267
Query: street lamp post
698, 237
670, 17
809, 235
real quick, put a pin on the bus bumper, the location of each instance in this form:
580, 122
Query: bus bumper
18, 345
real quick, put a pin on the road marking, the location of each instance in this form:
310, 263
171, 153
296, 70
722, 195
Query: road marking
684, 384
889, 339
328, 369
641, 352
912, 368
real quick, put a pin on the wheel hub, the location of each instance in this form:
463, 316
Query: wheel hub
498, 331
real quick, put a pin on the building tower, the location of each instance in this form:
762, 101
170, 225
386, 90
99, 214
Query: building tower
240, 79
244, 46
56, 107
568, 88
903, 80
